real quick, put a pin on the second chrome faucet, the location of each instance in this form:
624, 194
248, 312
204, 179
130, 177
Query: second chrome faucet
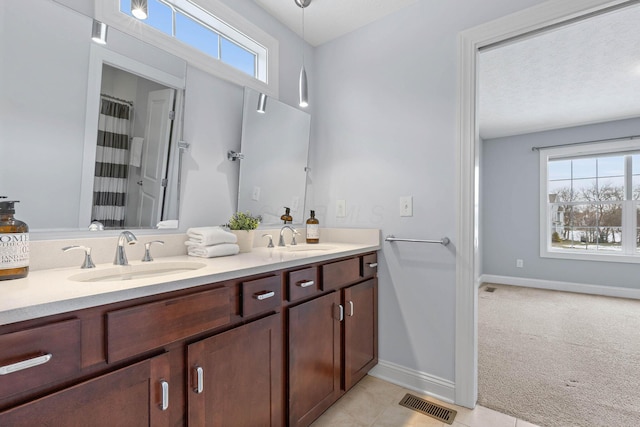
126, 237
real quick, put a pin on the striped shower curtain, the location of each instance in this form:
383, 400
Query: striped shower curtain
110, 183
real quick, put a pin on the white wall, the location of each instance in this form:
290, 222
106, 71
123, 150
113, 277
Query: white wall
510, 209
385, 127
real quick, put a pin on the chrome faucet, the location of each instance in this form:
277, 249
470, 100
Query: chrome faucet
121, 256
293, 235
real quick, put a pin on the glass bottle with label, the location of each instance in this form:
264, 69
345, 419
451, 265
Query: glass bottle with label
313, 229
14, 243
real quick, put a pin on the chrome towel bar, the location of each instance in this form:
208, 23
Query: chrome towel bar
391, 238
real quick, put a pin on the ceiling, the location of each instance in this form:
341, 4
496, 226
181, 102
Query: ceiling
325, 20
581, 73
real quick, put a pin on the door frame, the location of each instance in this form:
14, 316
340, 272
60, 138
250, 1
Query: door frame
468, 170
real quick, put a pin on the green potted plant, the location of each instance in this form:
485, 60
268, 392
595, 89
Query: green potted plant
243, 224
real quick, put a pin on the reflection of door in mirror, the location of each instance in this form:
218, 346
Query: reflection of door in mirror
134, 136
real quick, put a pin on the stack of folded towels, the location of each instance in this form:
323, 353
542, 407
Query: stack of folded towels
209, 242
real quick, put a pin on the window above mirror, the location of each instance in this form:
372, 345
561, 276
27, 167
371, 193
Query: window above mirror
207, 34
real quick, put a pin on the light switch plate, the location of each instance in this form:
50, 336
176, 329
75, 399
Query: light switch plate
256, 194
341, 208
406, 206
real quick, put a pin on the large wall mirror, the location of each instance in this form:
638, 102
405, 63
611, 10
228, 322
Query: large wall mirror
85, 127
273, 172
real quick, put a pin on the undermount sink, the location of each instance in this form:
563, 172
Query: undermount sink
308, 247
138, 271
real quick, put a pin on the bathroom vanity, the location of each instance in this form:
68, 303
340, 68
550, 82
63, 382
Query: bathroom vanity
269, 338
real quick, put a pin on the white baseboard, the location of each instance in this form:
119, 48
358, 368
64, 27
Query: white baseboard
608, 291
417, 381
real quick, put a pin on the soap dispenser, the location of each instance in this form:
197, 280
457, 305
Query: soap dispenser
14, 243
287, 218
313, 229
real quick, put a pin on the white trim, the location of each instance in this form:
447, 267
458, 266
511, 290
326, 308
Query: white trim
107, 11
469, 41
417, 381
580, 288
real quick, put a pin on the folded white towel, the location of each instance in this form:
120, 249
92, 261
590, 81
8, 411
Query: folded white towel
169, 223
223, 249
205, 236
135, 158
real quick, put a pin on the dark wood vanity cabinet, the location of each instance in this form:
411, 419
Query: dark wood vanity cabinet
270, 350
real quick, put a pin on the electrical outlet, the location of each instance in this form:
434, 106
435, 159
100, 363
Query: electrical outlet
406, 206
519, 263
256, 194
341, 208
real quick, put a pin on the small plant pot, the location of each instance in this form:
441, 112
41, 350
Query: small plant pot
245, 239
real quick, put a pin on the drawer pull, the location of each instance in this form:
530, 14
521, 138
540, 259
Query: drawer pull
25, 364
306, 284
165, 395
199, 380
264, 296
350, 308
373, 264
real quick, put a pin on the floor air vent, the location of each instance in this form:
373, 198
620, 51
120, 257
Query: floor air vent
438, 412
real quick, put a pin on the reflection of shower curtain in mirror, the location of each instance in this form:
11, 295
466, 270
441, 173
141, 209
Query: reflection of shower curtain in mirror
112, 154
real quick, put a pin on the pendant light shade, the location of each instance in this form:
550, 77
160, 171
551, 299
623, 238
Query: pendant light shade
303, 85
262, 103
99, 32
139, 9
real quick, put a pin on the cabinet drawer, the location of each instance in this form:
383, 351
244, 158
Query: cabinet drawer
369, 265
341, 273
39, 356
134, 330
261, 295
302, 283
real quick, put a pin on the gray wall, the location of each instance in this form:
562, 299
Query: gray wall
510, 209
385, 127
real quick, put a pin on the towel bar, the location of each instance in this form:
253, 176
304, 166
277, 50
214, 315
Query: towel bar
391, 238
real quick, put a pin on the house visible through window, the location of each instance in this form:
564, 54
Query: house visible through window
199, 29
590, 202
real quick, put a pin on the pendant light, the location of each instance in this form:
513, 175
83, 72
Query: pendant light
99, 32
262, 103
139, 9
303, 85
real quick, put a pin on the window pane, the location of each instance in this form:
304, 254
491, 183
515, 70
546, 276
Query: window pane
197, 35
584, 190
562, 189
611, 166
559, 169
611, 188
638, 229
636, 176
584, 168
160, 17
238, 57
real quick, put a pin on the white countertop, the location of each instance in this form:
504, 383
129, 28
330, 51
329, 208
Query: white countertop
50, 291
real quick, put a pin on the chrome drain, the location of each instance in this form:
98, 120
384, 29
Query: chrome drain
425, 407
489, 289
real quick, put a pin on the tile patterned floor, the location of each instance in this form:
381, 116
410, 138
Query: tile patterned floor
374, 403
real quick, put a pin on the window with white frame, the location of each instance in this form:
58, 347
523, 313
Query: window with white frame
590, 202
206, 33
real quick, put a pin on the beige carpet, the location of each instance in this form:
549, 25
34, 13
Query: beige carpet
559, 359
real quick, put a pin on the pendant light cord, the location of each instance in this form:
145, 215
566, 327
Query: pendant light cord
303, 35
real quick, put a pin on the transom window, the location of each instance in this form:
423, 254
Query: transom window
590, 202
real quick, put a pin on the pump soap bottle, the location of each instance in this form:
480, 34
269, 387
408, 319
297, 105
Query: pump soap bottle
313, 229
287, 218
14, 243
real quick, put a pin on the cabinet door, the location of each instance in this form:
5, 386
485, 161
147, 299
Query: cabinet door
236, 377
314, 358
360, 331
130, 397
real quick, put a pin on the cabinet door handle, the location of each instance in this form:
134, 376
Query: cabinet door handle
25, 364
265, 295
306, 284
341, 312
373, 265
165, 395
350, 308
199, 380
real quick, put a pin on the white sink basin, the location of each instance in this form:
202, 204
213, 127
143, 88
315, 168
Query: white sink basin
138, 271
308, 248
